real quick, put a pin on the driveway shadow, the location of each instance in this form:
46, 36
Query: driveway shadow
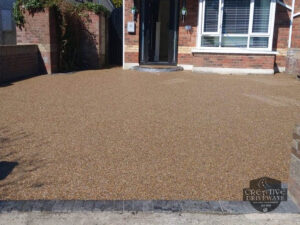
6, 168
15, 167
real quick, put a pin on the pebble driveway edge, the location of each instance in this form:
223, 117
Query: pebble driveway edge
212, 207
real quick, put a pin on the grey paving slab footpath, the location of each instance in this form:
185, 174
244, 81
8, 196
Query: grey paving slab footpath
145, 218
157, 206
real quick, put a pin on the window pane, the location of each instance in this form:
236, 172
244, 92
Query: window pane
210, 41
259, 42
240, 42
211, 16
236, 16
261, 16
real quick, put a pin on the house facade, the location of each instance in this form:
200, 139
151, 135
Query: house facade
218, 36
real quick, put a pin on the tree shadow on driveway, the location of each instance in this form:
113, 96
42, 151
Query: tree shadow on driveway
6, 168
17, 163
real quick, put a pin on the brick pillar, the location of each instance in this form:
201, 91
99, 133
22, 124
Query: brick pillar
296, 25
293, 55
281, 36
293, 62
131, 45
294, 179
93, 42
187, 39
40, 29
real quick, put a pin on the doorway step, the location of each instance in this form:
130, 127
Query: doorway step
157, 68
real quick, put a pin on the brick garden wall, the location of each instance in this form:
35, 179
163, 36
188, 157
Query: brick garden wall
94, 42
40, 29
18, 62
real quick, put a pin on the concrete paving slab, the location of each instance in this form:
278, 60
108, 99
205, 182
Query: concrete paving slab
143, 218
215, 207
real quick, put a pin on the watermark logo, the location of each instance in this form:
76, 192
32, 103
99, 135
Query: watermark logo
265, 194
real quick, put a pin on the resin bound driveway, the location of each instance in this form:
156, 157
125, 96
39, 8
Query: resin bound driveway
113, 134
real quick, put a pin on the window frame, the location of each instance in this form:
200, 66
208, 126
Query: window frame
201, 33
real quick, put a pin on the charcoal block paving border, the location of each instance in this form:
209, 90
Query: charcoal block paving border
189, 206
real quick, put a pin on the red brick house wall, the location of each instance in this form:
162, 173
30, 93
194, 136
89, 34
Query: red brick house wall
233, 61
187, 40
296, 27
293, 54
281, 32
131, 45
281, 35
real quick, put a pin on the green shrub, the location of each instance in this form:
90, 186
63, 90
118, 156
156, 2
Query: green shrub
20, 6
117, 3
34, 4
90, 6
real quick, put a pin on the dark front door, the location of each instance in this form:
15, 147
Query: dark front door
159, 31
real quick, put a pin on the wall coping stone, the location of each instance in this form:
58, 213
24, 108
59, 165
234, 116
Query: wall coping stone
6, 50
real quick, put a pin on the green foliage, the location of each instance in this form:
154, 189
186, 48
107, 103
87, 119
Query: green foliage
117, 3
34, 4
20, 6
18, 14
90, 6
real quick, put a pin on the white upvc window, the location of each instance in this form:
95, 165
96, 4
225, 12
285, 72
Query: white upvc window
236, 24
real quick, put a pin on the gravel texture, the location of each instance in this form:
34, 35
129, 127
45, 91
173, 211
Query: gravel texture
114, 134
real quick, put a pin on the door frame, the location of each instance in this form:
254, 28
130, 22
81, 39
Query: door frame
142, 36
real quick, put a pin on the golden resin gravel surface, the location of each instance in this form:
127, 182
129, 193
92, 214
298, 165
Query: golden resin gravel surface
114, 134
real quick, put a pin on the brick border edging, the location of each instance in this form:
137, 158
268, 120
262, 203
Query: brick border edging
157, 206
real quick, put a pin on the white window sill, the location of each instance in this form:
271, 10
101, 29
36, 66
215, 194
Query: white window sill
234, 51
